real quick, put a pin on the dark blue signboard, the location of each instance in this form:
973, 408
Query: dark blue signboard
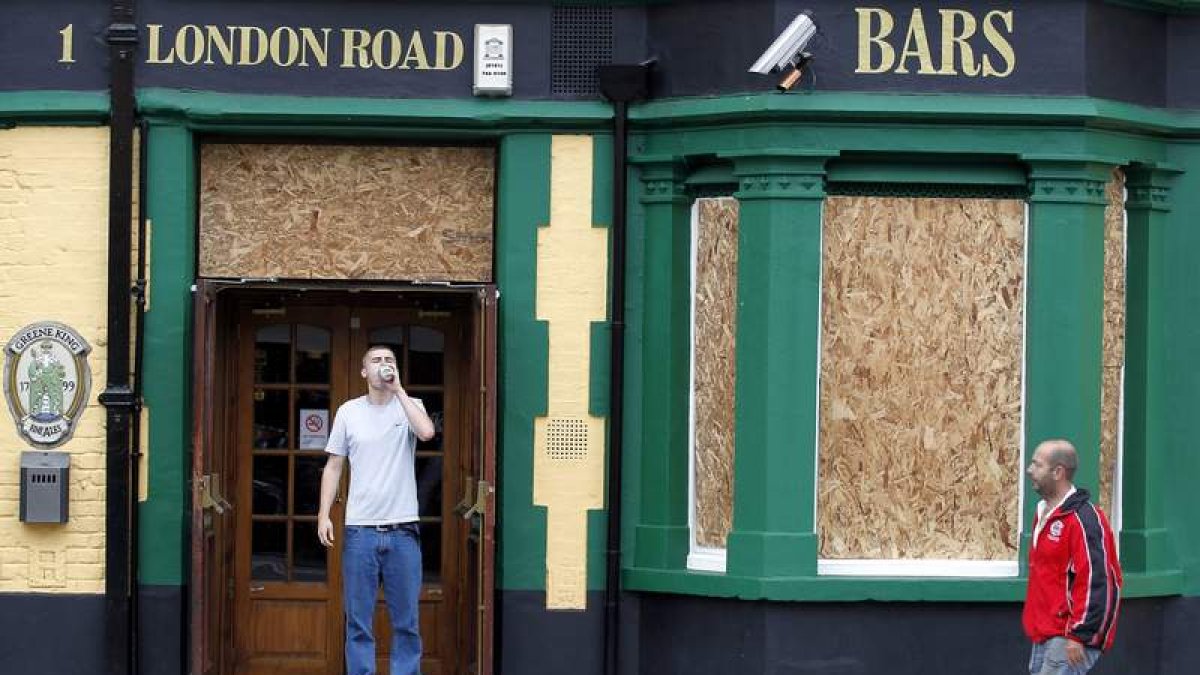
425, 50
53, 45
305, 47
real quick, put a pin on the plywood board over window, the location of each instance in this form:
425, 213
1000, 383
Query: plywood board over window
1114, 342
921, 348
346, 212
714, 314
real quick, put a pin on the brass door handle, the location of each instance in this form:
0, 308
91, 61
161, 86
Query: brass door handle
483, 490
467, 502
210, 500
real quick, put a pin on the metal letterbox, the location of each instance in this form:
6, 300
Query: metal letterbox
44, 486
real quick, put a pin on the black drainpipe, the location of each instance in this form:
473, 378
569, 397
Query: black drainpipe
135, 433
620, 84
118, 397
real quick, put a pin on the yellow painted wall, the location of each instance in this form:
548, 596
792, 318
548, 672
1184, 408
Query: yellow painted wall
53, 262
568, 464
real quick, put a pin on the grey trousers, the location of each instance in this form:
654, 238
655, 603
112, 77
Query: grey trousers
1050, 658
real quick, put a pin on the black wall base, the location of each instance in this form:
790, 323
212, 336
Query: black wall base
533, 641
162, 630
698, 636
59, 634
661, 635
677, 634
52, 634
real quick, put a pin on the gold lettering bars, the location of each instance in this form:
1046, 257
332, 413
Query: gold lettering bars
962, 53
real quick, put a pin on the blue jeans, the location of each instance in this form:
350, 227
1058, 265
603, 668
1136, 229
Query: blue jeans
392, 558
1050, 658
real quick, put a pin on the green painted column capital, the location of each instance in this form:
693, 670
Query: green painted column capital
780, 174
1068, 181
662, 179
1149, 187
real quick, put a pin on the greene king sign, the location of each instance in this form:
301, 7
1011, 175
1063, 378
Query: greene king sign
46, 381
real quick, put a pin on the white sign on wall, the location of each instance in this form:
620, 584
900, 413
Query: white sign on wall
47, 381
493, 60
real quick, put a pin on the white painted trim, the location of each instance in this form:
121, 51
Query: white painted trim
919, 568
706, 559
699, 558
693, 237
816, 467
1024, 382
1118, 485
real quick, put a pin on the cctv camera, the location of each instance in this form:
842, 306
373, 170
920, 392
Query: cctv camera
787, 49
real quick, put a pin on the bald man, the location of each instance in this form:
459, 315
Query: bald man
1073, 595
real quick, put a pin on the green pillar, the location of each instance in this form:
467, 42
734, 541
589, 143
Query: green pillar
778, 325
167, 368
1064, 314
1144, 541
662, 536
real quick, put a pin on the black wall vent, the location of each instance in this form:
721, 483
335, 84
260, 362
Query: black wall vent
581, 39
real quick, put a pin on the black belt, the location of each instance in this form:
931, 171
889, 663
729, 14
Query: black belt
387, 527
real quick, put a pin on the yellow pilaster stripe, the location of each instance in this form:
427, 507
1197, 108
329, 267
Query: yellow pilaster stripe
568, 465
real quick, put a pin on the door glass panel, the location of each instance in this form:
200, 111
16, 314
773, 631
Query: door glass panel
312, 355
431, 550
270, 418
268, 551
434, 408
429, 485
312, 428
425, 356
393, 337
308, 484
270, 485
272, 347
310, 560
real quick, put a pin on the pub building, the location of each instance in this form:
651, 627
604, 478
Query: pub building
738, 321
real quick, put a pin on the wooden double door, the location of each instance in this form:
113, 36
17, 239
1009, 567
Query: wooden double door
279, 367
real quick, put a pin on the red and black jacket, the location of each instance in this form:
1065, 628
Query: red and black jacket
1074, 576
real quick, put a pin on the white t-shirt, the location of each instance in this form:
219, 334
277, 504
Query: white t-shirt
381, 446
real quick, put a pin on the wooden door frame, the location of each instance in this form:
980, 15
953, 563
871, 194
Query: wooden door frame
206, 334
477, 611
203, 323
207, 296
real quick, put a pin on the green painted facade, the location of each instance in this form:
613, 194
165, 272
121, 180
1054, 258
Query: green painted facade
1060, 151
1048, 144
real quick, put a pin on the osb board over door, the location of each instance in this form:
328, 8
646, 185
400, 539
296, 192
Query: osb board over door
713, 340
346, 212
920, 410
1114, 341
